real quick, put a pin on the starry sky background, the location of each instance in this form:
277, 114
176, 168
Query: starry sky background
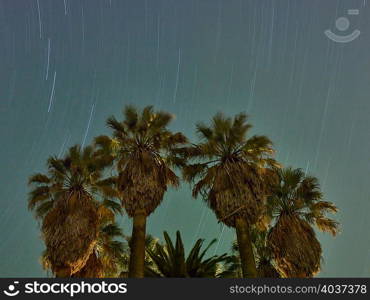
65, 66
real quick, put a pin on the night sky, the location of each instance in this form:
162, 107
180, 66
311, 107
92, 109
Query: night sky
66, 65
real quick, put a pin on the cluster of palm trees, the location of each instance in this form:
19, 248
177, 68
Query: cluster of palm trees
273, 210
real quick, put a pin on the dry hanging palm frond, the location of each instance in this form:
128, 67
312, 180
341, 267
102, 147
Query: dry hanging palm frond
70, 233
107, 252
238, 191
296, 249
143, 182
94, 268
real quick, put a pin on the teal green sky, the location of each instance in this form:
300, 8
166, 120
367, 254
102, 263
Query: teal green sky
65, 66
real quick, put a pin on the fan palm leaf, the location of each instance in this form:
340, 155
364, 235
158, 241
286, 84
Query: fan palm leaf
169, 260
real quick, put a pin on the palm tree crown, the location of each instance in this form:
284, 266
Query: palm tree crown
231, 168
169, 260
145, 150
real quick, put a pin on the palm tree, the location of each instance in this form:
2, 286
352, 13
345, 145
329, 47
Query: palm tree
233, 173
144, 150
296, 204
169, 260
65, 200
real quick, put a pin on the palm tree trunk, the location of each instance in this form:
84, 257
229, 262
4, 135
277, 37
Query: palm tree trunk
245, 248
137, 246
